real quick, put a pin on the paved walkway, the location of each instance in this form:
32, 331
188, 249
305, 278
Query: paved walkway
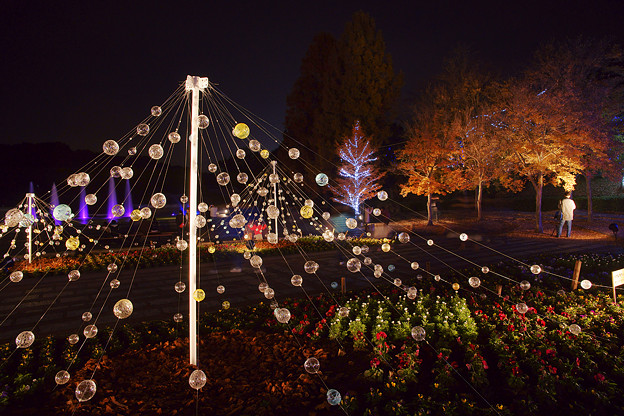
152, 290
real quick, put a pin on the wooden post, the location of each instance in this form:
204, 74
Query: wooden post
343, 285
499, 289
427, 266
577, 273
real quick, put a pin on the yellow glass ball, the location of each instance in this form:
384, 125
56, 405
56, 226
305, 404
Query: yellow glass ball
225, 304
199, 295
264, 153
306, 211
135, 215
455, 286
241, 130
72, 243
211, 249
385, 247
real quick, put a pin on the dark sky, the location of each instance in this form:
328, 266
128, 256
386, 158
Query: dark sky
83, 72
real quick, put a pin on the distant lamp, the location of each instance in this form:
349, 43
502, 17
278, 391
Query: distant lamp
614, 228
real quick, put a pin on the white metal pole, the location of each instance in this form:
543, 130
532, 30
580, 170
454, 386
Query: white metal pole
275, 198
30, 197
193, 84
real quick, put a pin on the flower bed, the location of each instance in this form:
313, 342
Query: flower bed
480, 356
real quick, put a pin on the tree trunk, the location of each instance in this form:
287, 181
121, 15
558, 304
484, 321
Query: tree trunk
479, 199
429, 219
539, 186
590, 210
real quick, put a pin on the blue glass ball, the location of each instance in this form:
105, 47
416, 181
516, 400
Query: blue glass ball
334, 285
333, 397
321, 179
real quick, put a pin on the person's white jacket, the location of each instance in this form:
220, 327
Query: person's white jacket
567, 207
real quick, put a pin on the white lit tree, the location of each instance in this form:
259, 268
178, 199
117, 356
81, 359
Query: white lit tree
359, 178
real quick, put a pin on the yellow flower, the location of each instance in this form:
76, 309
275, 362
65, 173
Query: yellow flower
436, 385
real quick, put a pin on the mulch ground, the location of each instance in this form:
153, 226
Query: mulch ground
248, 372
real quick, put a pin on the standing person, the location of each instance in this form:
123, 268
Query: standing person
567, 207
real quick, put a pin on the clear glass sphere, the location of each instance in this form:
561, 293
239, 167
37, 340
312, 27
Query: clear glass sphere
333, 397
262, 287
127, 172
220, 289
156, 151
525, 285
262, 191
269, 293
223, 178
202, 207
158, 200
61, 212
357, 250
178, 317
197, 379
181, 245
240, 153
180, 287
382, 195
254, 145
85, 390
123, 308
282, 315
354, 265
25, 339
274, 178
586, 284
114, 284
535, 269
298, 177
62, 377
238, 221
174, 137
367, 261
156, 111
132, 151
142, 129
16, 276
242, 178
312, 365
321, 179
296, 280
343, 311
272, 238
412, 292
200, 221
118, 210
310, 267
112, 267
73, 275
293, 153
474, 282
404, 237
110, 147
326, 215
376, 212
463, 236
522, 307
485, 269
90, 331
255, 261
418, 333
351, 223
73, 339
328, 235
90, 199
574, 329
203, 121
86, 316
115, 172
272, 212
212, 168
385, 247
146, 213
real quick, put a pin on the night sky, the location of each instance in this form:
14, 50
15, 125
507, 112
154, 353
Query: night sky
89, 72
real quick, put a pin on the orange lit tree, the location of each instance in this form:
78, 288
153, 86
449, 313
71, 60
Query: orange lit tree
359, 178
430, 158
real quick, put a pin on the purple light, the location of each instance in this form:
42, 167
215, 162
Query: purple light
112, 198
83, 213
128, 200
54, 201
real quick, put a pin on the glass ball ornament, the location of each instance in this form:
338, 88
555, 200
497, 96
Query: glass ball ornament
73, 339
90, 331
237, 221
343, 311
418, 333
73, 275
376, 212
184, 199
255, 261
220, 289
574, 329
211, 249
200, 221
178, 317
354, 265
223, 178
203, 121
115, 172
146, 213
334, 285
199, 295
242, 178
142, 129
430, 242
485, 269
404, 237
326, 215
333, 397
274, 178
282, 315
240, 153
254, 145
27, 221
156, 111
351, 223
90, 199
414, 265
535, 269
264, 153
306, 212
263, 286
357, 250
110, 147
296, 280
123, 308
412, 292
385, 247
118, 210
158, 200
321, 179
391, 267
328, 235
212, 168
272, 238
114, 284
86, 316
174, 137
397, 282
112, 267
156, 151
272, 212
202, 207
61, 212
437, 278
126, 173
132, 151
308, 203
310, 267
293, 153
225, 304
298, 177
269, 293
525, 285
463, 236
25, 339
455, 286
83, 179
135, 215
180, 287
382, 195
62, 377
197, 379
262, 191
312, 365
85, 390
72, 243
474, 282
181, 245
16, 276
247, 255
241, 131
367, 261
586, 284
522, 307
13, 216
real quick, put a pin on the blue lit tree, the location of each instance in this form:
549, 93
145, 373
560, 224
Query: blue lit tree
359, 178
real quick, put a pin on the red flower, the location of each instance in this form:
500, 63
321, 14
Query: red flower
599, 378
381, 335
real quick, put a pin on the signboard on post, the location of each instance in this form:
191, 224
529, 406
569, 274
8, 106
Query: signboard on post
618, 279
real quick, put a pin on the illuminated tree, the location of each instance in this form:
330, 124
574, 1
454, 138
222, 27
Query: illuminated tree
431, 155
358, 175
